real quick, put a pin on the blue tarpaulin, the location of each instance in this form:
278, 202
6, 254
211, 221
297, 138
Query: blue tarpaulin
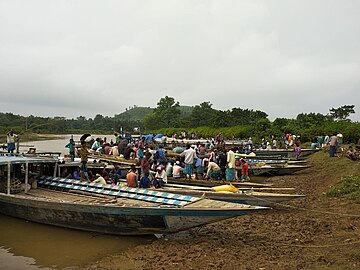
148, 137
158, 136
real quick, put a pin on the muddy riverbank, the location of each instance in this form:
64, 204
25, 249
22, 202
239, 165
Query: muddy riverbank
317, 232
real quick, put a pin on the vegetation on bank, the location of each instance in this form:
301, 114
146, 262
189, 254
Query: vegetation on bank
169, 118
348, 187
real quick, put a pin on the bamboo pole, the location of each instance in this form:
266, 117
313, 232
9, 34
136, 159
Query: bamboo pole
26, 175
8, 178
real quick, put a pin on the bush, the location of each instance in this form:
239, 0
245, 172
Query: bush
348, 188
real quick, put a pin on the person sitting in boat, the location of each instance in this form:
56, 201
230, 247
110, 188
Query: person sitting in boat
140, 150
99, 179
66, 174
106, 149
76, 174
115, 150
160, 177
169, 169
96, 146
105, 173
131, 177
129, 152
244, 170
115, 174
145, 163
145, 181
177, 170
213, 170
159, 155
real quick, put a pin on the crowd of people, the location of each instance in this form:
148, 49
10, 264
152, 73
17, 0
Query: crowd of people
203, 160
206, 160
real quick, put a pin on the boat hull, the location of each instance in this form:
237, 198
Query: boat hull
112, 219
251, 198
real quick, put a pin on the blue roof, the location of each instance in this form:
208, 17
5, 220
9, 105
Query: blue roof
4, 160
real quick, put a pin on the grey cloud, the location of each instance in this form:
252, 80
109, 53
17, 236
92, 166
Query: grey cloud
71, 58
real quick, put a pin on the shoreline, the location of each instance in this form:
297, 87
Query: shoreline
315, 232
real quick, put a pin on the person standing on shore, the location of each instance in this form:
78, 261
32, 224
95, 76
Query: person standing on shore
10, 140
189, 157
244, 170
230, 170
333, 144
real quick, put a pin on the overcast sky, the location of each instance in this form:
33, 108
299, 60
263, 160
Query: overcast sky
83, 57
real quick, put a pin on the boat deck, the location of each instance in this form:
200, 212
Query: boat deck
71, 198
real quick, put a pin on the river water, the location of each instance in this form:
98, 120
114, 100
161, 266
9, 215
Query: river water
28, 245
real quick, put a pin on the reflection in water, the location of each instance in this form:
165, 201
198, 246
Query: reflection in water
53, 247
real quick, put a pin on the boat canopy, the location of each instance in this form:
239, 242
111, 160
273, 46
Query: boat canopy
5, 160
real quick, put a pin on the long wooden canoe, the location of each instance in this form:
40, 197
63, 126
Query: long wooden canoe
211, 183
245, 197
107, 209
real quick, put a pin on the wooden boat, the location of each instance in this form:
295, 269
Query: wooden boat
211, 183
107, 209
276, 170
114, 159
242, 196
289, 153
260, 189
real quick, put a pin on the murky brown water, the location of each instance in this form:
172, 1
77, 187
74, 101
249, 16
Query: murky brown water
27, 245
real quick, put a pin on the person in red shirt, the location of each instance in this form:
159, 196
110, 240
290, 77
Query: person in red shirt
131, 177
244, 170
145, 163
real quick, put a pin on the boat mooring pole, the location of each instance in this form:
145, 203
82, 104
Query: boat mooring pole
55, 169
26, 175
8, 178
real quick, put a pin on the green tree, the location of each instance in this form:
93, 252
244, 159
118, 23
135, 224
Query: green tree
342, 112
221, 119
245, 117
202, 115
307, 120
166, 114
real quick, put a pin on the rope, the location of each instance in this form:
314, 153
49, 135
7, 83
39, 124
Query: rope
308, 246
306, 209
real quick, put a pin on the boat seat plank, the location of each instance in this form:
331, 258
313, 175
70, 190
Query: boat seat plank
154, 196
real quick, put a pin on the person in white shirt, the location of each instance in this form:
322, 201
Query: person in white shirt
160, 177
230, 170
213, 169
10, 140
99, 179
177, 170
189, 157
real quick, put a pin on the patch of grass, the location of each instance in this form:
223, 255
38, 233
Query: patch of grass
349, 188
356, 256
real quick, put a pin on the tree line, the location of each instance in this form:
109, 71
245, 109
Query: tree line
168, 117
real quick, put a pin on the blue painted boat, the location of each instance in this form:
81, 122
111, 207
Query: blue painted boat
104, 208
